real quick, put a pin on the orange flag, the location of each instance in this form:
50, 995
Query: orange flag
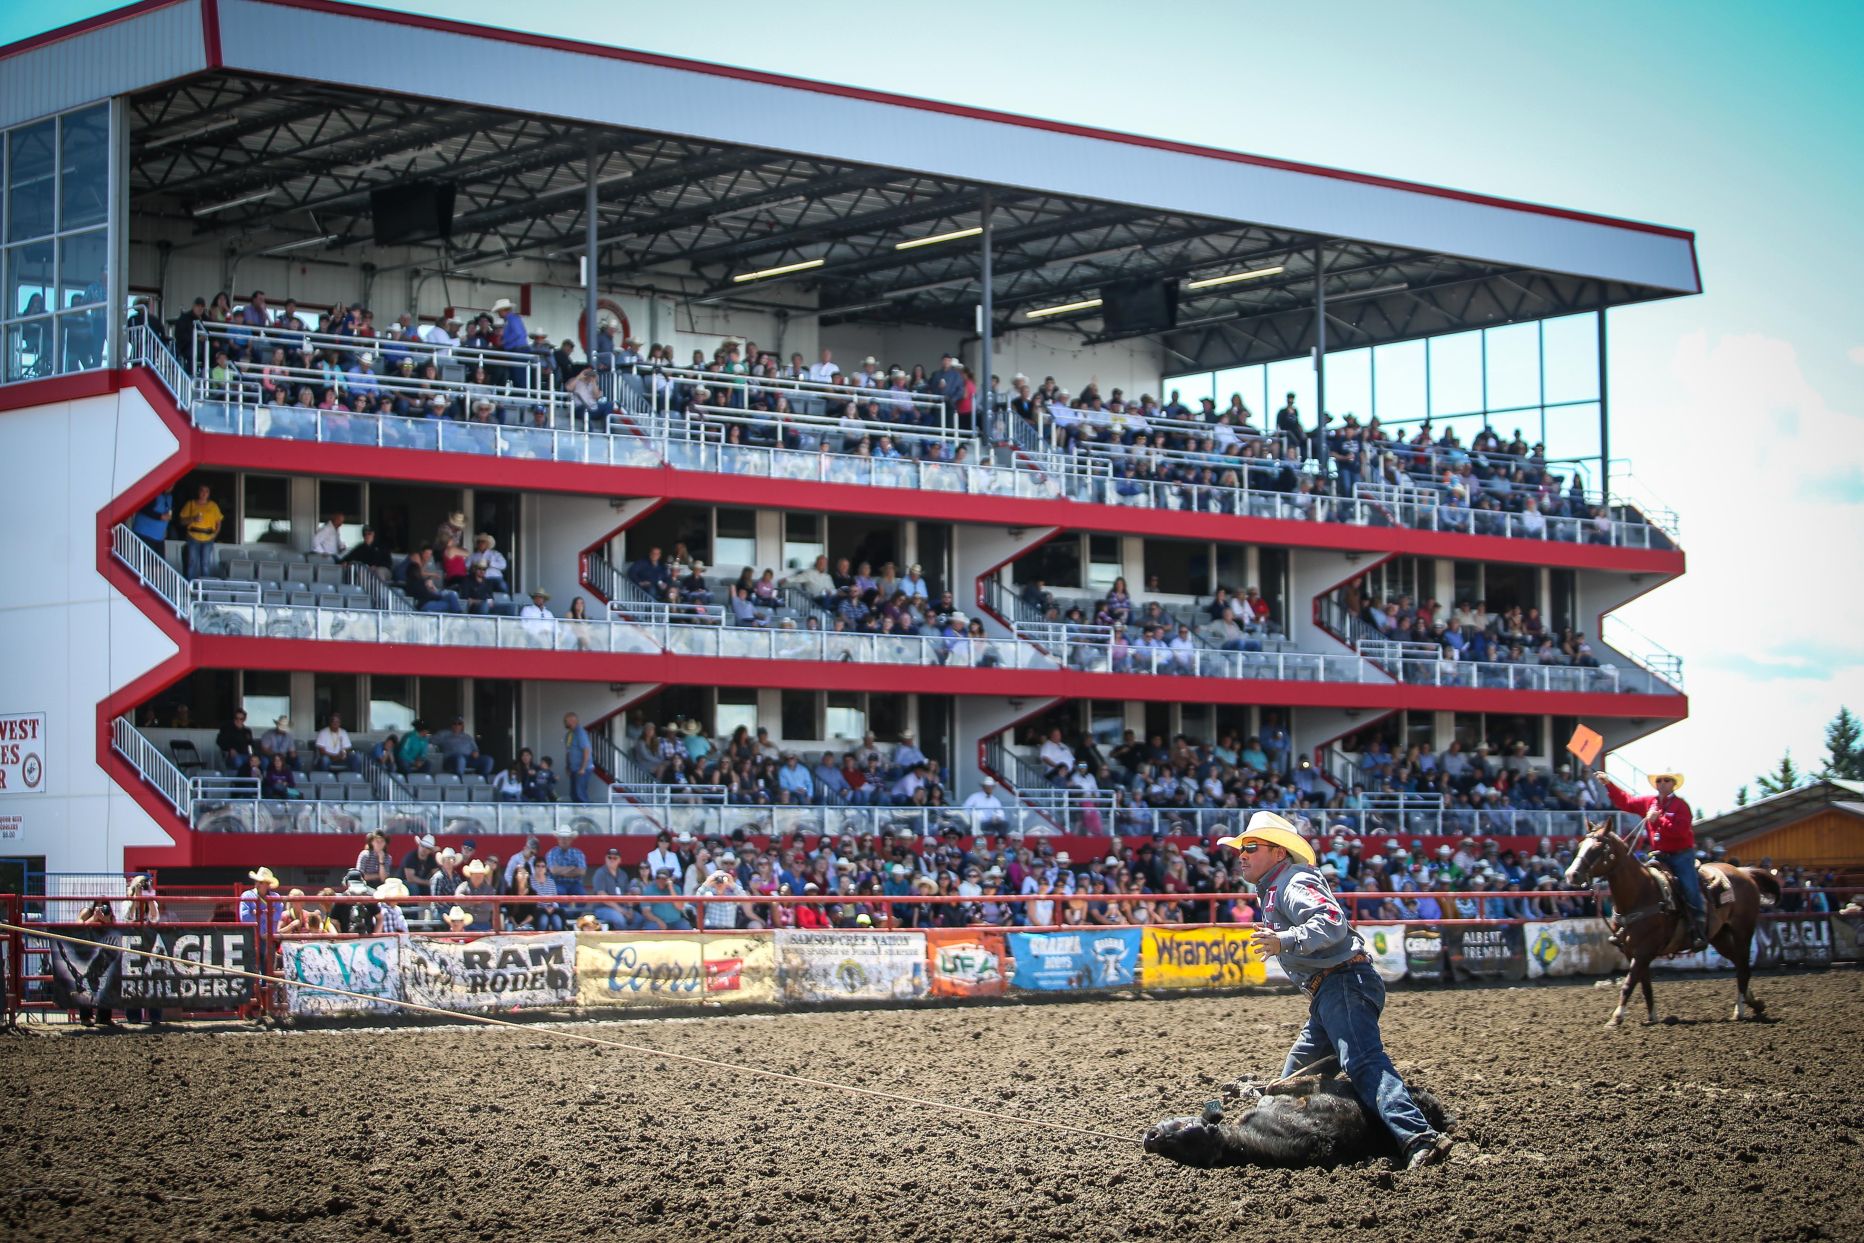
1586, 744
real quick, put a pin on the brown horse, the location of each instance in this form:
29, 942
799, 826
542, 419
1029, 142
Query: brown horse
1643, 929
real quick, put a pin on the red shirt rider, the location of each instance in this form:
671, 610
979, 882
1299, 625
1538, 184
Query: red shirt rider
1667, 816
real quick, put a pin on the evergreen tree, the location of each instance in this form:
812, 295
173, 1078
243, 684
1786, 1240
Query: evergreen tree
1741, 797
1780, 780
1844, 746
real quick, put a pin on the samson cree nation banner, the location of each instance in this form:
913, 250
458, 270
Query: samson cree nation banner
96, 975
851, 966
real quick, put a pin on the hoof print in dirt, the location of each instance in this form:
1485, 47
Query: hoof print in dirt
1314, 1120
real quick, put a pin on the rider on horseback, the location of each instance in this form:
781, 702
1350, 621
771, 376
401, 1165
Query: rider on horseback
1672, 840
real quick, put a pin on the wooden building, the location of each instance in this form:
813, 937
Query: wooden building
1816, 826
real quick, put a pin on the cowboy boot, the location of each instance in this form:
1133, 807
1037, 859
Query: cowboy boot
1698, 929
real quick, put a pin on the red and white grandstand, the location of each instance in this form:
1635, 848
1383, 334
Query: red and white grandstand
1010, 475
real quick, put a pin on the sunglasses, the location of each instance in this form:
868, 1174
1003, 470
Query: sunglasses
1249, 848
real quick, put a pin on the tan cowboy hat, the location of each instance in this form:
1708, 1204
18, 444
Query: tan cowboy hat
1266, 826
263, 877
393, 887
477, 868
459, 913
1672, 775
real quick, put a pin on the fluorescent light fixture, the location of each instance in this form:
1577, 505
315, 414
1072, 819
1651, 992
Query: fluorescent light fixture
241, 201
1086, 304
300, 244
1351, 294
785, 270
1211, 281
936, 238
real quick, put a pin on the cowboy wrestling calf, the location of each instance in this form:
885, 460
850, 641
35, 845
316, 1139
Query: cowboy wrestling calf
1311, 1120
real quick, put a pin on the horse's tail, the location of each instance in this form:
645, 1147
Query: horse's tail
1768, 885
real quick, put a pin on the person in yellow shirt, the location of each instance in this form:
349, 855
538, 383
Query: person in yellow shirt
200, 522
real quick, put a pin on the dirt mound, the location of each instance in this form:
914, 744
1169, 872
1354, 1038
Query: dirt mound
1699, 1129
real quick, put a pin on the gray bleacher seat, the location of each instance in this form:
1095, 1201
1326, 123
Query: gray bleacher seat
303, 600
330, 574
320, 778
262, 552
479, 792
421, 781
242, 569
271, 572
323, 591
358, 792
447, 779
296, 572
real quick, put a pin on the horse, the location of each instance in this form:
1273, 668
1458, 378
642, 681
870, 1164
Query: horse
1644, 929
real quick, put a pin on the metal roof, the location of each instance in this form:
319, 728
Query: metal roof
1767, 814
303, 106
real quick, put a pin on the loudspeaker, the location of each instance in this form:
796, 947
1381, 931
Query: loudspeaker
1139, 306
420, 211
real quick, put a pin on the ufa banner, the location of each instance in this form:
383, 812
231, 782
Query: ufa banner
368, 965
832, 965
652, 969
1055, 962
95, 974
1199, 958
1563, 947
490, 973
965, 963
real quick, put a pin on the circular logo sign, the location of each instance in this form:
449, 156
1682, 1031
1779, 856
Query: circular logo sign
31, 771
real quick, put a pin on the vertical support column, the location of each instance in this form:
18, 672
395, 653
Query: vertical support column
1320, 361
589, 254
1605, 416
116, 235
986, 312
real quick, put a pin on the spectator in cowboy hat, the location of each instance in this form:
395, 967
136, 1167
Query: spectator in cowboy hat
478, 884
390, 917
253, 905
567, 865
418, 865
457, 919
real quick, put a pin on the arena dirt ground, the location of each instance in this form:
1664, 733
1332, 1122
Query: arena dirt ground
1698, 1129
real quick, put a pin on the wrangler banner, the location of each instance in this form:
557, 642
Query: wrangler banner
1055, 962
97, 975
673, 968
815, 966
963, 963
369, 965
1199, 958
490, 973
1562, 947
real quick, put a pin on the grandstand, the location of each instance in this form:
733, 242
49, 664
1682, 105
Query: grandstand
1011, 475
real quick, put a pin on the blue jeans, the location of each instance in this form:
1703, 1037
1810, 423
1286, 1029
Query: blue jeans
617, 919
579, 786
458, 764
1682, 865
200, 557
1343, 1019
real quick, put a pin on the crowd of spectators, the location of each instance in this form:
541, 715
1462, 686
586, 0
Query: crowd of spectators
1153, 635
1470, 631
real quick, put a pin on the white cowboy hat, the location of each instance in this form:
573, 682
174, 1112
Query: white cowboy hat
391, 888
501, 306
459, 913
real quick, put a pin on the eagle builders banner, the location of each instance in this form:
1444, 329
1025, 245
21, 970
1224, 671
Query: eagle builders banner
1199, 958
490, 973
95, 974
1562, 947
670, 968
832, 965
368, 965
1487, 953
963, 963
1054, 962
1795, 939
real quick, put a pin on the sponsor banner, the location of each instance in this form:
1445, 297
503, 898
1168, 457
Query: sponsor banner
671, 968
1048, 962
22, 753
1199, 958
1846, 934
1385, 942
831, 965
1794, 939
963, 963
370, 965
1487, 953
1423, 953
96, 975
1563, 947
490, 973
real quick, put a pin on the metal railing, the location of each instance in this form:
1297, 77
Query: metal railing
151, 568
1631, 643
156, 768
679, 382
243, 339
145, 347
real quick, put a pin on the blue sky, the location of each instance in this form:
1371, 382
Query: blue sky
1743, 409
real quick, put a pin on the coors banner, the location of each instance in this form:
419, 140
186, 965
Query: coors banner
94, 974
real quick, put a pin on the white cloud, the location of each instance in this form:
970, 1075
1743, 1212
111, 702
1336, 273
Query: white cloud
1764, 471
1856, 354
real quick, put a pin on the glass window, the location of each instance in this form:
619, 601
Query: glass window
1514, 371
1194, 721
1182, 569
29, 350
30, 181
442, 699
265, 510
735, 707
84, 168
799, 716
339, 693
1573, 431
736, 542
1244, 382
1057, 563
1572, 351
82, 339
1293, 375
391, 704
81, 260
802, 540
1103, 561
886, 715
266, 696
29, 280
1106, 720
1398, 382
1455, 375
847, 715
342, 497
1349, 384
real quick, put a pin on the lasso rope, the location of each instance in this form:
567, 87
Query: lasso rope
713, 1063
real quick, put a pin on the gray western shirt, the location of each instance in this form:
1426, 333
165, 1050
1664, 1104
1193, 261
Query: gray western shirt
1314, 933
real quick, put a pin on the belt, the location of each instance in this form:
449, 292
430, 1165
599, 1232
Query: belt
1313, 984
